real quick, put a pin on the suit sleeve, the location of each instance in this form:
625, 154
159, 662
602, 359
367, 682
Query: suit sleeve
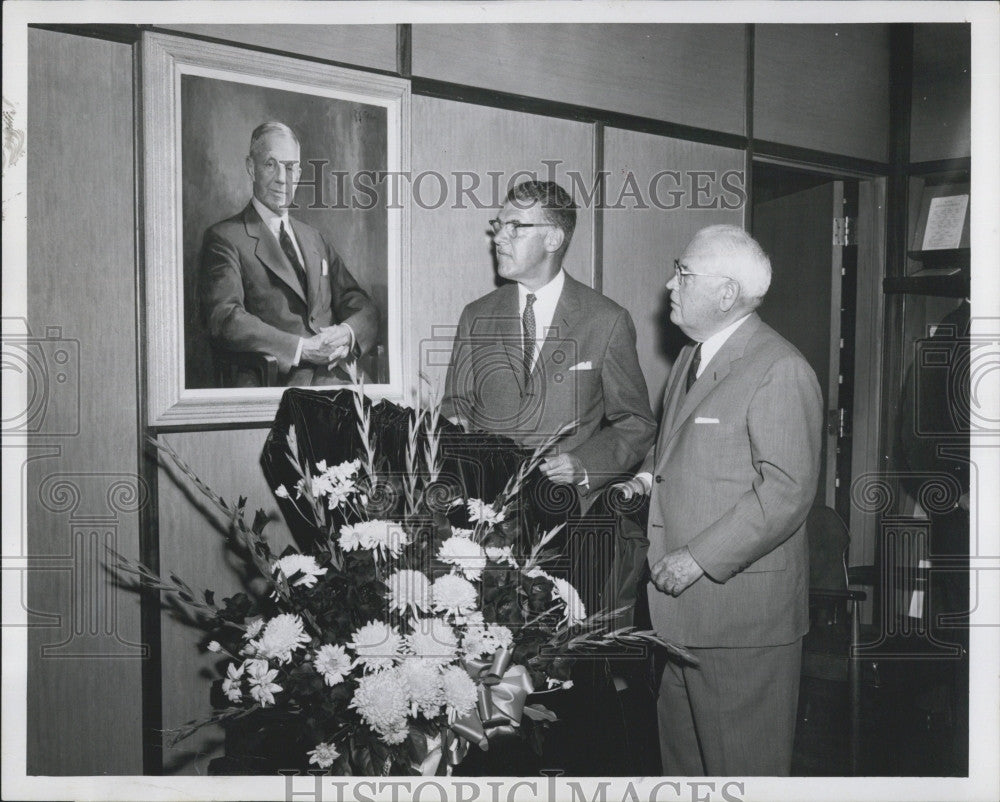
629, 428
784, 426
351, 304
458, 386
222, 298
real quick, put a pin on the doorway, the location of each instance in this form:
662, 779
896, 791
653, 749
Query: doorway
805, 221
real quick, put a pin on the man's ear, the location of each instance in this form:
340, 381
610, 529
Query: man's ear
249, 164
729, 296
554, 239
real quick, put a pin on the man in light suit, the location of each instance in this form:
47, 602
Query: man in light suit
731, 479
545, 351
273, 285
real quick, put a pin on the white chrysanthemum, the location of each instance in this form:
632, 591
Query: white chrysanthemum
254, 626
281, 491
323, 755
303, 564
377, 645
485, 640
479, 510
575, 611
459, 692
262, 685
433, 639
214, 646
282, 635
453, 594
383, 701
467, 555
231, 685
409, 590
382, 537
396, 736
423, 679
333, 662
501, 555
562, 590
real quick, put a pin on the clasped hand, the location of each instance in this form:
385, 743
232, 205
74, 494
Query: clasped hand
332, 344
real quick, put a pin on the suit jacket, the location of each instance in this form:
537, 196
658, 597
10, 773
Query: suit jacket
253, 300
734, 470
587, 371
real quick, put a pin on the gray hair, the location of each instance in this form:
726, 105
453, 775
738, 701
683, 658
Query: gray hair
265, 129
732, 252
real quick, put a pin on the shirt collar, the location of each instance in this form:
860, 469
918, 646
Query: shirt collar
547, 294
271, 220
711, 346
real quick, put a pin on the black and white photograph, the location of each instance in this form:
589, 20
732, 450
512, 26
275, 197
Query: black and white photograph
582, 402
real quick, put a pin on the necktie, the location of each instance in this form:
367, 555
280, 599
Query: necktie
528, 329
692, 373
286, 245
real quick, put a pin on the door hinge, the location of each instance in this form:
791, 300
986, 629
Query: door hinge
837, 424
843, 231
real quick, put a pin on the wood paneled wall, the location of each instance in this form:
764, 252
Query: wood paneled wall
656, 71
942, 92
824, 87
364, 45
640, 244
82, 488
193, 546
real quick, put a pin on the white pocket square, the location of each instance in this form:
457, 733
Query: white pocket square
582, 366
706, 420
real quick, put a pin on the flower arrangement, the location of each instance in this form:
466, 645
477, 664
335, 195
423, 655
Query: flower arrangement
415, 627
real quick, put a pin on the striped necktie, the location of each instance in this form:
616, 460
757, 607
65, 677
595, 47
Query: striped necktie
528, 330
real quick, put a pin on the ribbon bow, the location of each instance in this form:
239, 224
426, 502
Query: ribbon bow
502, 690
501, 693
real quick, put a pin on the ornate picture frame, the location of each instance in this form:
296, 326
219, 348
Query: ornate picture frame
200, 103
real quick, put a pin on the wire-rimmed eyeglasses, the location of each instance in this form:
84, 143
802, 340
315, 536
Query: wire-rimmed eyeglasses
681, 272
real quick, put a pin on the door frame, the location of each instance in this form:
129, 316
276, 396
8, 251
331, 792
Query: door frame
866, 457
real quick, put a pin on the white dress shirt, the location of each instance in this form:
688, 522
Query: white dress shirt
544, 308
710, 347
273, 222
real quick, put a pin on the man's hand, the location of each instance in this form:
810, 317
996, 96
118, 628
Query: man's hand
563, 469
636, 486
676, 572
332, 344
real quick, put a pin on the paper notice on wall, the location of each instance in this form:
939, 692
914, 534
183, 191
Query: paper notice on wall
945, 221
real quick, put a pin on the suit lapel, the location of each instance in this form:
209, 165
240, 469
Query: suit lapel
507, 328
715, 371
564, 318
269, 252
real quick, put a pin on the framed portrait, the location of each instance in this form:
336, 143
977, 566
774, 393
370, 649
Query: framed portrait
237, 308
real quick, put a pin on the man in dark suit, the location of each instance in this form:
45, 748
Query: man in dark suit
545, 351
731, 479
272, 285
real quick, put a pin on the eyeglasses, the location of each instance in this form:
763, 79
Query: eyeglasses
681, 272
511, 227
